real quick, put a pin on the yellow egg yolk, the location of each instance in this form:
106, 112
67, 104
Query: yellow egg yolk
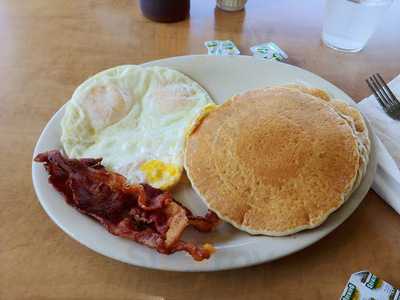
204, 113
159, 174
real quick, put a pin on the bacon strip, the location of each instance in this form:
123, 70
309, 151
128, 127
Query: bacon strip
137, 212
203, 224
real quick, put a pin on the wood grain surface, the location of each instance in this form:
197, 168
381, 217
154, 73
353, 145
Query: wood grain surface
48, 47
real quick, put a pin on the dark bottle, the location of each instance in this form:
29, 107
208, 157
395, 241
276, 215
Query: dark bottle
165, 10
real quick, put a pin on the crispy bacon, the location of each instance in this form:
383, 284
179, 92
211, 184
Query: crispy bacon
137, 212
203, 224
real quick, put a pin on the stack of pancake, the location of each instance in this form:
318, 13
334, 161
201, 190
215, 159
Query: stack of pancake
278, 160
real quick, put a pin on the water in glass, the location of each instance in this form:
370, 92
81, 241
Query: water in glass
348, 24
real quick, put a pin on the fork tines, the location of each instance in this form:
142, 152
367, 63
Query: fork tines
384, 95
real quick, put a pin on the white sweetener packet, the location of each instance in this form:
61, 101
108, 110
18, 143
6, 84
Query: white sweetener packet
364, 285
221, 48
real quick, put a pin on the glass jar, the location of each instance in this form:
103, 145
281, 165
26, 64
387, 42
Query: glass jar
165, 10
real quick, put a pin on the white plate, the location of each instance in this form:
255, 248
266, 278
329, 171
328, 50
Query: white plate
222, 77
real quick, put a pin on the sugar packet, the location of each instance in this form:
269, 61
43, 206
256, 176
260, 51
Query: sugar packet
364, 285
221, 48
269, 51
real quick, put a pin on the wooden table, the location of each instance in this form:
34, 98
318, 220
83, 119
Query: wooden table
48, 47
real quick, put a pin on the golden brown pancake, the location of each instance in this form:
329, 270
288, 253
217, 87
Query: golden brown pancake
275, 161
309, 90
352, 116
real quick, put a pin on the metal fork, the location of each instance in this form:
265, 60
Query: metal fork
385, 97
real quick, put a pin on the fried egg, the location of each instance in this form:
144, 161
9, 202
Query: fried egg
135, 118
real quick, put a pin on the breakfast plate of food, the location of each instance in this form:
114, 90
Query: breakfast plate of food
203, 163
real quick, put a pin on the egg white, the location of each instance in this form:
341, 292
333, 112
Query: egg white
136, 119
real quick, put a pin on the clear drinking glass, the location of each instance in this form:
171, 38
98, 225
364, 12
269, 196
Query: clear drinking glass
348, 24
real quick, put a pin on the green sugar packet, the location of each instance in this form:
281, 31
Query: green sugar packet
364, 285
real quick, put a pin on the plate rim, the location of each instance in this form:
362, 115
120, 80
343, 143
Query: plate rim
212, 267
